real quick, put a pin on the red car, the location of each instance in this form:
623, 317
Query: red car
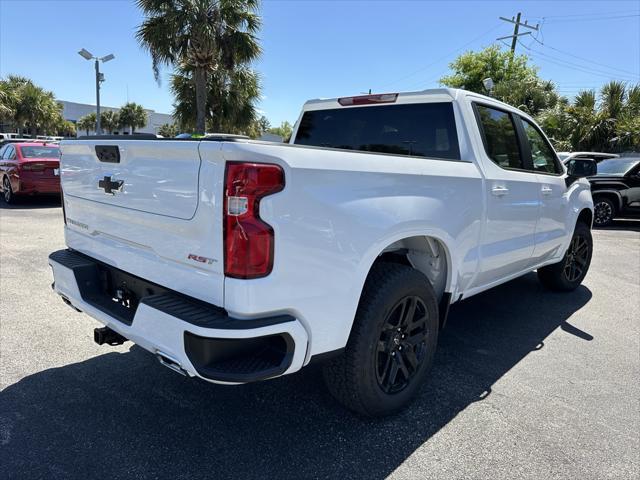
29, 169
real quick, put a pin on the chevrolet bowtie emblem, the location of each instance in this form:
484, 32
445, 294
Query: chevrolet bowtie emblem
110, 186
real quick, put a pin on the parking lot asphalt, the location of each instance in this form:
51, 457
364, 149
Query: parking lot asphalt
527, 384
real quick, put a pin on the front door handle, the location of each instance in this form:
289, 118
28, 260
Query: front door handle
546, 190
499, 191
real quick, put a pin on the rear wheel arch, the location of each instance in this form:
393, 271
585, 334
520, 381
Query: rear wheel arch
426, 254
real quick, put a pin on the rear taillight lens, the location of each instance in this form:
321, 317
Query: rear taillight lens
32, 166
248, 241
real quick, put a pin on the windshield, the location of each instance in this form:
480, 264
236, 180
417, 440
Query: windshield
40, 152
618, 166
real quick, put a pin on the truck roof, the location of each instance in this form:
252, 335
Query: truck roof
432, 94
428, 95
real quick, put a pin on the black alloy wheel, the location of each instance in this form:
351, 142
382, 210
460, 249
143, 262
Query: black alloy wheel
576, 260
402, 344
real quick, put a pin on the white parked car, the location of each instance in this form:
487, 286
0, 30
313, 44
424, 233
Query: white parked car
236, 260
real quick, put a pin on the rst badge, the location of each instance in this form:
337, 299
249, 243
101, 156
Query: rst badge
198, 258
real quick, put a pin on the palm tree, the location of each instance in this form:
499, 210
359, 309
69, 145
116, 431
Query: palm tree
133, 115
87, 122
36, 108
205, 37
109, 120
8, 99
586, 99
231, 99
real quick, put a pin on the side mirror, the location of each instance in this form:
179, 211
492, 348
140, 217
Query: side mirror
582, 167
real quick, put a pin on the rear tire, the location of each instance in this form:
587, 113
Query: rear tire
568, 274
392, 343
7, 191
603, 212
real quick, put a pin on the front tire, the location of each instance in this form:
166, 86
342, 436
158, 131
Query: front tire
392, 343
603, 212
568, 274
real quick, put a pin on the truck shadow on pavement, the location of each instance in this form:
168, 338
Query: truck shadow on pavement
31, 203
121, 415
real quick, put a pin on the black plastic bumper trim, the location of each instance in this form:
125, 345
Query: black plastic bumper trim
320, 358
206, 315
240, 360
89, 272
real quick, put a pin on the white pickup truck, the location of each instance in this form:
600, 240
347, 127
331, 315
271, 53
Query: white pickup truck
235, 260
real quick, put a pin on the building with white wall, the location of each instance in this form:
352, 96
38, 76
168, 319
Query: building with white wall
72, 111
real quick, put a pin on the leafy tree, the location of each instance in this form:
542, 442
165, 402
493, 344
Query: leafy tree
515, 82
284, 130
204, 40
8, 100
263, 124
132, 115
231, 99
87, 122
27, 106
609, 121
168, 130
604, 121
109, 121
65, 128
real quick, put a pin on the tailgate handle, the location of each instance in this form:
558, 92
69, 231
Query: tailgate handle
108, 153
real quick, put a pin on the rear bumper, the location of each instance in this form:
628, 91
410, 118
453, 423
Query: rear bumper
196, 338
33, 186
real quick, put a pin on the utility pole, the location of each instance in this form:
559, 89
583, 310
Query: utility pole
516, 30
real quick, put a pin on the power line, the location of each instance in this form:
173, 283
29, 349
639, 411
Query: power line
632, 77
574, 66
444, 57
593, 19
583, 58
599, 14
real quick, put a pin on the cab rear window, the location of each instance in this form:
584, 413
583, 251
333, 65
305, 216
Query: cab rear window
421, 130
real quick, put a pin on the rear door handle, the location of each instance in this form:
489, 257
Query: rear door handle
499, 191
546, 190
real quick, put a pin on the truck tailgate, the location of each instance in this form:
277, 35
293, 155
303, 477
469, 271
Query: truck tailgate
163, 181
163, 222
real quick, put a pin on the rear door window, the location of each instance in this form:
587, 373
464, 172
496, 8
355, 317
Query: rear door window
421, 129
499, 137
9, 153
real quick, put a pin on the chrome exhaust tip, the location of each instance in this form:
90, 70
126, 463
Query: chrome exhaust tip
170, 362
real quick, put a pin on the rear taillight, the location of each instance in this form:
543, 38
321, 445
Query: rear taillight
32, 166
248, 241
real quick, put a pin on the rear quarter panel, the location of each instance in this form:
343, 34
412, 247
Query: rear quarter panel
337, 213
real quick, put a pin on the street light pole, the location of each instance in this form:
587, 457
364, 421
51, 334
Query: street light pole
98, 126
99, 79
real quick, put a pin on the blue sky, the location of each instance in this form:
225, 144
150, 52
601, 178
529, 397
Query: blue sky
324, 48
